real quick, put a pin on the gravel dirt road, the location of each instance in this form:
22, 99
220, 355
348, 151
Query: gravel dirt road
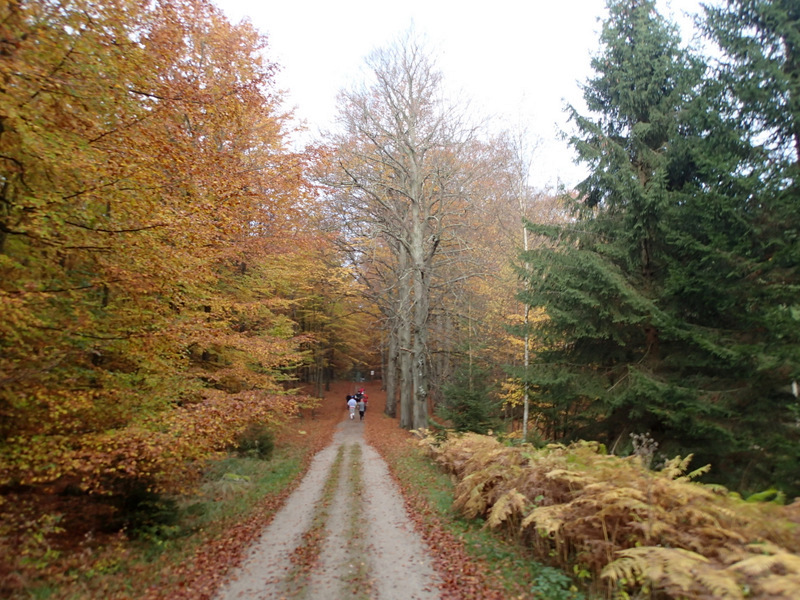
343, 533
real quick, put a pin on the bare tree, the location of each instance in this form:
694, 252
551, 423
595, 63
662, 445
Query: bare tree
399, 178
521, 170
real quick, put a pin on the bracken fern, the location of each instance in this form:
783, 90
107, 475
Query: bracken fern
640, 532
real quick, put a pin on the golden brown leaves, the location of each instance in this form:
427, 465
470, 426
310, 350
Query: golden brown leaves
151, 239
632, 527
680, 573
510, 505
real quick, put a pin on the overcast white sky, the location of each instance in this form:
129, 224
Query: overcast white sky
515, 60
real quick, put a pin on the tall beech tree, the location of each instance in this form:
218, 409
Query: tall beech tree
397, 164
142, 171
474, 298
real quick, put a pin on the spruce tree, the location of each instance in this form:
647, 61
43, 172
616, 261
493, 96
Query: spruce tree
750, 242
760, 68
673, 294
616, 338
468, 401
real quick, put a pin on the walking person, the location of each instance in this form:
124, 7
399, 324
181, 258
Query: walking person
351, 404
362, 407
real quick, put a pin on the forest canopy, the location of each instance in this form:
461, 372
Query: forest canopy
160, 262
173, 267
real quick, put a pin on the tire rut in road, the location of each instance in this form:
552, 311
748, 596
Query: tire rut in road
342, 567
343, 533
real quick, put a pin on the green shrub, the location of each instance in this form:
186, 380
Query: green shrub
257, 441
468, 402
146, 514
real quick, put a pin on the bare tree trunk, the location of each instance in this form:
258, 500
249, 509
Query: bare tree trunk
406, 376
420, 313
527, 353
319, 373
390, 374
522, 161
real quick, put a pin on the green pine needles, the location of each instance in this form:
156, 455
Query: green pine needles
468, 401
673, 293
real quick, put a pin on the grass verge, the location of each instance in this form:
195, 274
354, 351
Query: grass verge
188, 554
474, 562
204, 538
359, 585
305, 557
519, 575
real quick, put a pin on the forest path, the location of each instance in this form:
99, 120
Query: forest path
343, 533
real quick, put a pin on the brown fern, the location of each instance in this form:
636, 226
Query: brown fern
678, 572
509, 506
656, 530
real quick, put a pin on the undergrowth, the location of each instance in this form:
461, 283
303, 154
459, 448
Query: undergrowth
511, 566
629, 531
148, 561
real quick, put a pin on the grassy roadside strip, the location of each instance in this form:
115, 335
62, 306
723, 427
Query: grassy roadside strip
358, 582
208, 534
473, 562
244, 496
198, 571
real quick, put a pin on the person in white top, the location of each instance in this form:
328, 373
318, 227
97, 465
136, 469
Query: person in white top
351, 404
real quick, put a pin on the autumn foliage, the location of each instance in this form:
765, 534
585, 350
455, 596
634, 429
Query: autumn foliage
630, 528
158, 241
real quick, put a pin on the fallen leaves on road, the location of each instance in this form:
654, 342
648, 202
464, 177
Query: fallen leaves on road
463, 577
200, 577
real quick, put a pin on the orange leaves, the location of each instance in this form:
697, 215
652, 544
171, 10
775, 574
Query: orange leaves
159, 245
213, 424
142, 151
162, 449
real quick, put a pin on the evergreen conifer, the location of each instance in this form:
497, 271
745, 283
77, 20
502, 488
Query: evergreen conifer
672, 293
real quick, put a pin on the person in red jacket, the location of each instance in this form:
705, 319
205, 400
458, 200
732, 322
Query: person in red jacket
361, 394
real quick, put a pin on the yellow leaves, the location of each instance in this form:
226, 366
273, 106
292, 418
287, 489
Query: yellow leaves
548, 520
770, 570
470, 498
163, 240
511, 393
676, 468
162, 449
767, 558
568, 476
509, 506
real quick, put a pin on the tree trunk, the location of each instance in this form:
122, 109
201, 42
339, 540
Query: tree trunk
406, 375
420, 321
390, 374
